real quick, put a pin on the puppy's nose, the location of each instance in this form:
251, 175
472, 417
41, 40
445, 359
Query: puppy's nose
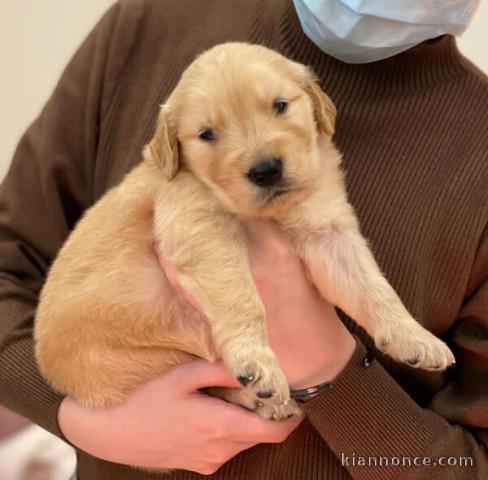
267, 173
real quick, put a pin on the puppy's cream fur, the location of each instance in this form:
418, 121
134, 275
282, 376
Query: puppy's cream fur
108, 321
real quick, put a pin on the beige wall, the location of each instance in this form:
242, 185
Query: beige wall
37, 38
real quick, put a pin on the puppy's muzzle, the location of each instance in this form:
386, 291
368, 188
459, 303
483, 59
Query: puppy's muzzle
267, 173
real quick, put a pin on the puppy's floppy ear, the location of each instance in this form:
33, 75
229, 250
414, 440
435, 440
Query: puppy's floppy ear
163, 147
323, 107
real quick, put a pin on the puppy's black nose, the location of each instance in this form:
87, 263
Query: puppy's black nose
267, 173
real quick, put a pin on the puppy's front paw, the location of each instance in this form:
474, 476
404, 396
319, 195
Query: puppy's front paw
412, 344
257, 369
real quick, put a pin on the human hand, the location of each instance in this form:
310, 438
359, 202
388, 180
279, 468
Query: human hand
170, 424
311, 342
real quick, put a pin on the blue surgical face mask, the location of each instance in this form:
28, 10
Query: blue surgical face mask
362, 31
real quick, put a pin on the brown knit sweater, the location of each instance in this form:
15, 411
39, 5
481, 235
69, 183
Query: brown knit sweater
413, 130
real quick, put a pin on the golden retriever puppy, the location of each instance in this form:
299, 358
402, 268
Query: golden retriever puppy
245, 133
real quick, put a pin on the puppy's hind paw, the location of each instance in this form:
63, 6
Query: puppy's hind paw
278, 412
247, 399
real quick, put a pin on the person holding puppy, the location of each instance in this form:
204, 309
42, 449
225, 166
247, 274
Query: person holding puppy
411, 125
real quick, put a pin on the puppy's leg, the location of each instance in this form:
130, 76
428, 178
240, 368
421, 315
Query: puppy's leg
341, 265
207, 248
107, 320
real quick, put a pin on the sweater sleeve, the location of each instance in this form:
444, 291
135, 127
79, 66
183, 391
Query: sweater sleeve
47, 187
378, 432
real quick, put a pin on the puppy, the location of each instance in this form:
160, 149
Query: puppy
245, 133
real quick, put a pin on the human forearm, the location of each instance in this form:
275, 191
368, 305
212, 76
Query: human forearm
367, 412
326, 350
23, 390
49, 184
368, 417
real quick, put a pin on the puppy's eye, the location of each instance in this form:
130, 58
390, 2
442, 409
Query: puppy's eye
207, 135
280, 106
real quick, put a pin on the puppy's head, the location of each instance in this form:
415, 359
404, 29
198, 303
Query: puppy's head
248, 123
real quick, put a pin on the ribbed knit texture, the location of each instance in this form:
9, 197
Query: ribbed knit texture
413, 130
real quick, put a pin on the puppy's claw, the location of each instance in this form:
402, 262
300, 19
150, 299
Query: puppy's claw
257, 369
412, 344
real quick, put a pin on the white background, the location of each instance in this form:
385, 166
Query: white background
37, 37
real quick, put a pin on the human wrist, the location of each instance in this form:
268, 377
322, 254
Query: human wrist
85, 429
329, 370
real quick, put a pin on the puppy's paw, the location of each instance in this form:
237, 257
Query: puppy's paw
412, 344
266, 409
257, 369
278, 412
